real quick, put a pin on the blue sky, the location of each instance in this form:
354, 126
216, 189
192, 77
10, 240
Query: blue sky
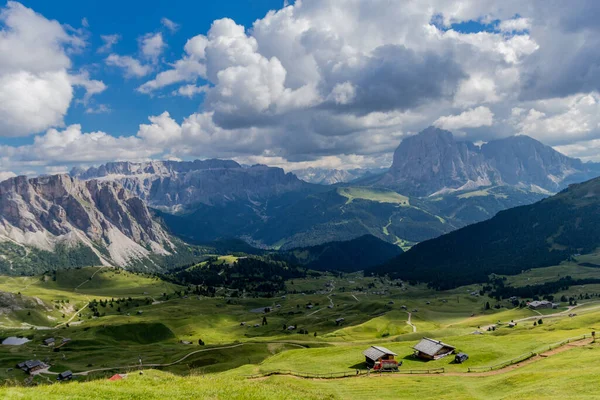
131, 19
318, 83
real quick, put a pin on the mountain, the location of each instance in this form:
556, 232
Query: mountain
178, 186
433, 162
346, 256
324, 176
73, 222
531, 236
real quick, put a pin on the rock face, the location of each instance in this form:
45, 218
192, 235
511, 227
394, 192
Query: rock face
177, 186
51, 210
433, 162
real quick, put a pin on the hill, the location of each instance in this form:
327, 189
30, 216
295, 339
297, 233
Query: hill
533, 236
347, 256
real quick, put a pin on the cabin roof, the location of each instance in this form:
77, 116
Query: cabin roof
431, 347
376, 352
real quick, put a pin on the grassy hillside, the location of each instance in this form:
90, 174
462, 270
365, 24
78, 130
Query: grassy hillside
538, 235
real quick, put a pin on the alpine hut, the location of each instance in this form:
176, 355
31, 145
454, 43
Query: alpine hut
429, 349
380, 358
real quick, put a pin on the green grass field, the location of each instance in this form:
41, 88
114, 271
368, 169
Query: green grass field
164, 331
380, 196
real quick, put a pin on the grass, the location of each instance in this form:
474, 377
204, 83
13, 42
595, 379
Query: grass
380, 196
372, 312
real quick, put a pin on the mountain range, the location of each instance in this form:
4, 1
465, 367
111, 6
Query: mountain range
126, 213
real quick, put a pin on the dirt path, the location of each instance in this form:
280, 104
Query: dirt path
148, 365
90, 278
409, 322
356, 298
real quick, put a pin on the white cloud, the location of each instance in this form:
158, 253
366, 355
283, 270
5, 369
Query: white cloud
190, 90
36, 88
515, 25
343, 93
99, 109
560, 120
109, 41
131, 66
472, 118
4, 175
152, 45
170, 25
33, 102
320, 80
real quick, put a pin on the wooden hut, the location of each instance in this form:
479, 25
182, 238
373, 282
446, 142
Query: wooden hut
380, 358
430, 349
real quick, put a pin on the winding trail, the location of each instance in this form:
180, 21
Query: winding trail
83, 373
409, 322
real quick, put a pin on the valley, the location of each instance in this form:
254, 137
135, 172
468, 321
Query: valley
116, 320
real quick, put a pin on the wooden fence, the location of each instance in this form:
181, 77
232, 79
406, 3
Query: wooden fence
343, 374
527, 356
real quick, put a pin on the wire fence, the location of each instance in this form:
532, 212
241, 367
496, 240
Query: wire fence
343, 374
529, 355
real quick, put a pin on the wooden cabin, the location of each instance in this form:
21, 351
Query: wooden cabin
380, 358
30, 366
65, 376
430, 349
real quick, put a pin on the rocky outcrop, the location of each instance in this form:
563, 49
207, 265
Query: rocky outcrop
59, 209
433, 162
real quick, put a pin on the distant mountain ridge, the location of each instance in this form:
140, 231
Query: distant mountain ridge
178, 185
325, 176
433, 162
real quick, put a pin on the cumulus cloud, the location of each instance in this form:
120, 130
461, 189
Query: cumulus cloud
36, 88
131, 67
332, 82
152, 45
472, 118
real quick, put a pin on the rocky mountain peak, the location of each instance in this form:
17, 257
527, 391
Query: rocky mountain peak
434, 162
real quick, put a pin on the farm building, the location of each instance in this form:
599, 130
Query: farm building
31, 366
429, 349
380, 358
49, 341
65, 376
537, 305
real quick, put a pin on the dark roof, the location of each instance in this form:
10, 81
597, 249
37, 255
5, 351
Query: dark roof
376, 352
29, 364
431, 347
65, 374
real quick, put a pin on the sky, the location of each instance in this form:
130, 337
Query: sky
321, 83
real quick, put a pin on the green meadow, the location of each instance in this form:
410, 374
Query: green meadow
140, 317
